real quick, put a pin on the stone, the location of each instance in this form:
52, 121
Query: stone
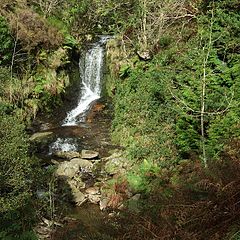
53, 161
89, 154
135, 197
67, 169
41, 194
144, 55
76, 183
79, 197
95, 199
39, 136
67, 155
83, 164
45, 126
73, 167
93, 190
103, 203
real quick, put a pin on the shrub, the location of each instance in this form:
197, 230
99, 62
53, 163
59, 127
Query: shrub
6, 42
17, 176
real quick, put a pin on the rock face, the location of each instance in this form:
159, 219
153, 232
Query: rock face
88, 154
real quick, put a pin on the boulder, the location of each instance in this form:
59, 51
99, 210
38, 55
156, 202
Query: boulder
73, 167
67, 169
76, 183
89, 154
84, 165
39, 136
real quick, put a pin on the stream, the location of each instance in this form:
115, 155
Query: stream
85, 126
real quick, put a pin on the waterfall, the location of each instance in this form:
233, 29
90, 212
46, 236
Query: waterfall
90, 66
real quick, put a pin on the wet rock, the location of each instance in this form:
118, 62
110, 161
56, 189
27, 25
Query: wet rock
67, 155
95, 110
89, 154
39, 136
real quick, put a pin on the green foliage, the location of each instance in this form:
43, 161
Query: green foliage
6, 42
4, 80
25, 236
142, 122
16, 166
158, 104
141, 178
17, 176
63, 27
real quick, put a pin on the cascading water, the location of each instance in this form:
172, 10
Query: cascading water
90, 67
72, 136
64, 145
90, 73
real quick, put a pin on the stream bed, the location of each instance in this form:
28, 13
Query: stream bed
85, 126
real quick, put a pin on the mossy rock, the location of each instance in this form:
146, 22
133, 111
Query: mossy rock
41, 136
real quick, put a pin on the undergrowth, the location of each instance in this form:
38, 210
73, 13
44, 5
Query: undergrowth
201, 204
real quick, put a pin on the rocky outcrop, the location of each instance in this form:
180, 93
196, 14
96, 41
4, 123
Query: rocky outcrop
78, 171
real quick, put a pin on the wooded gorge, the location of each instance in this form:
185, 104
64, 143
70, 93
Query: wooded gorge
173, 77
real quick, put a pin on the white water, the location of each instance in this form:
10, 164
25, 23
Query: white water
63, 145
90, 73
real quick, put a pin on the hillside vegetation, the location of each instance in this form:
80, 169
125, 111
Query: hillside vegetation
175, 74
